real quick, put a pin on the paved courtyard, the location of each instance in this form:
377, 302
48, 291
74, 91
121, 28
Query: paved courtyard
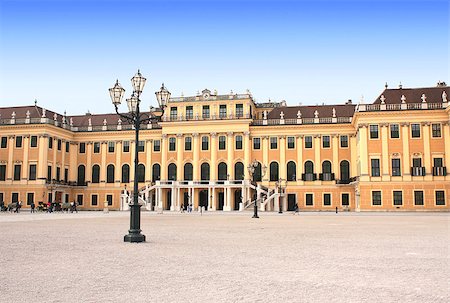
226, 257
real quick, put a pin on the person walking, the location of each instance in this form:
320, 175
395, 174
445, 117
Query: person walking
75, 206
296, 209
32, 206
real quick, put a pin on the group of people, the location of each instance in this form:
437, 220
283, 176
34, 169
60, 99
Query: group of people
15, 206
50, 207
187, 208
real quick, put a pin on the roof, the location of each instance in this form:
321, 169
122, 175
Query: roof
290, 112
413, 95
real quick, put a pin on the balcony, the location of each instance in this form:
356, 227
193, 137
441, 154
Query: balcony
346, 181
309, 177
417, 171
326, 176
439, 171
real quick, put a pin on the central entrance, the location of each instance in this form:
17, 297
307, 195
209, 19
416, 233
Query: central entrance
203, 199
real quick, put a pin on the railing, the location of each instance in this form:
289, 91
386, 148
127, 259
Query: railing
399, 106
309, 177
439, 171
202, 117
418, 171
212, 97
299, 121
346, 181
326, 176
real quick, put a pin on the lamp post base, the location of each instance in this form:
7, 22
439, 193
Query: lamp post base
255, 216
134, 238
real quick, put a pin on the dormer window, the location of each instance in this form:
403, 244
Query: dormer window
222, 111
189, 112
239, 110
173, 113
205, 112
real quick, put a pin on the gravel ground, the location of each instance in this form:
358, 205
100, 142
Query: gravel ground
226, 257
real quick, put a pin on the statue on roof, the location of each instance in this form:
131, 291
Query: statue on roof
281, 115
43, 113
71, 121
334, 112
13, 115
403, 98
265, 115
444, 96
382, 99
424, 98
28, 114
104, 122
89, 122
55, 116
316, 114
299, 114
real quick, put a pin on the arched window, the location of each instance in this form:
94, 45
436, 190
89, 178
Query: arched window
141, 173
156, 172
172, 172
345, 170
95, 174
274, 171
188, 174
81, 179
326, 167
238, 171
309, 167
222, 173
257, 174
291, 171
110, 173
125, 173
204, 172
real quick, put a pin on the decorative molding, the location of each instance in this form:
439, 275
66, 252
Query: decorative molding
404, 124
246, 133
425, 123
179, 135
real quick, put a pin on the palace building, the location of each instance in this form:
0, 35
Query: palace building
391, 154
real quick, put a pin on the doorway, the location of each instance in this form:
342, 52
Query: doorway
221, 198
169, 199
237, 198
291, 202
203, 199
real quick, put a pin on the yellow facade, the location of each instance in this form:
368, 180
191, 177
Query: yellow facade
396, 155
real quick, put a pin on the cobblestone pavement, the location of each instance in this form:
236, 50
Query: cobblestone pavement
225, 257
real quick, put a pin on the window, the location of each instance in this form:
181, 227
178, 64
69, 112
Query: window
49, 172
80, 199
111, 146
32, 172
396, 169
308, 142
188, 143
205, 111
141, 173
125, 173
94, 200
189, 112
172, 172
50, 142
376, 198
157, 145
290, 142
172, 142
398, 197
59, 144
19, 141
418, 197
238, 142
239, 171
30, 198
4, 142
239, 110
96, 147
436, 130
417, 162
82, 148
222, 142
395, 131
257, 175
204, 172
375, 163
326, 199
126, 146
15, 197
156, 172
309, 200
173, 113
256, 143
415, 130
325, 141
274, 176
222, 171
345, 199
188, 172
33, 141
291, 171
109, 198
141, 146
66, 175
222, 111
345, 170
81, 175
95, 174
67, 146
440, 197
2, 172
344, 141
273, 142
17, 170
58, 173
205, 143
373, 131
110, 173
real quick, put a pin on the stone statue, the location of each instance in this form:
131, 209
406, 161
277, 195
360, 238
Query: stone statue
43, 113
334, 112
28, 114
55, 116
299, 115
89, 122
316, 114
424, 98
403, 99
13, 115
265, 115
104, 122
282, 116
119, 122
444, 96
382, 98
71, 121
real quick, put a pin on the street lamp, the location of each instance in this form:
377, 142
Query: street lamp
135, 117
251, 170
281, 188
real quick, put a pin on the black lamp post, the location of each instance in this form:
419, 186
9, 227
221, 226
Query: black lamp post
135, 117
280, 190
251, 170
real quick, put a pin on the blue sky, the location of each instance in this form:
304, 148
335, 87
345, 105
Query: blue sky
66, 54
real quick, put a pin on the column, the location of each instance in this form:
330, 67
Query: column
25, 145
73, 155
247, 154
335, 148
214, 147
446, 133
118, 167
148, 162
55, 152
266, 156
353, 156
209, 198
384, 152
42, 160
213, 192
89, 161
282, 166
103, 146
196, 164
299, 146
405, 159
426, 151
63, 159
179, 148
164, 158
230, 150
317, 162
363, 155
